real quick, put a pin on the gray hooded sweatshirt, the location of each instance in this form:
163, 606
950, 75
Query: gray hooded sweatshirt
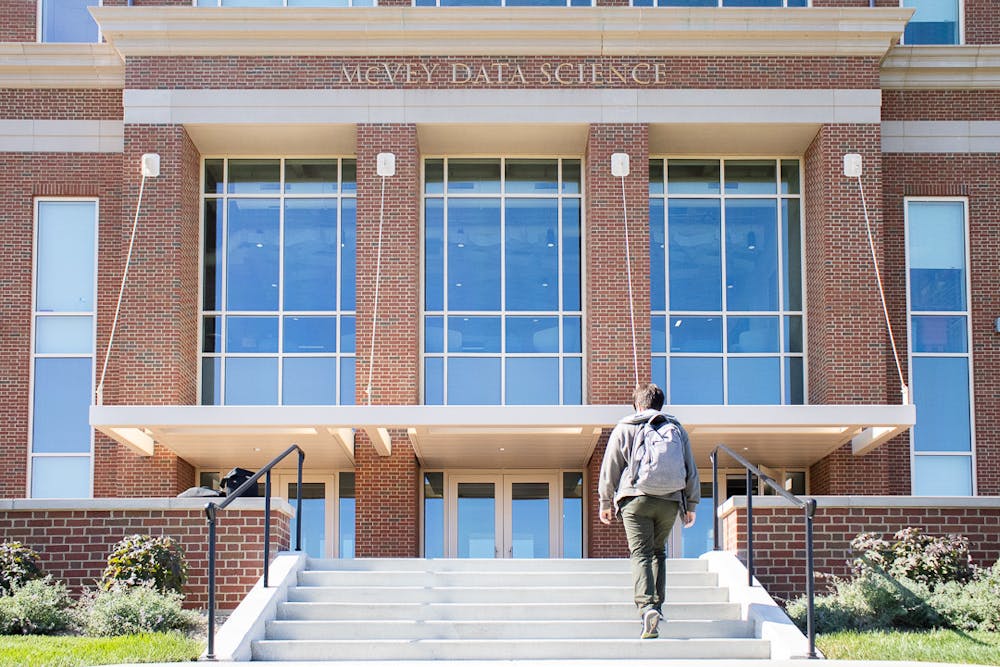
612, 486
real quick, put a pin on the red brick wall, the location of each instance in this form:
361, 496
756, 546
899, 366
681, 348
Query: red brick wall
17, 21
60, 104
74, 544
609, 359
24, 176
605, 541
982, 25
976, 176
941, 105
779, 537
386, 499
782, 72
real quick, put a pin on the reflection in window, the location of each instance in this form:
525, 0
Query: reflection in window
502, 307
279, 281
726, 281
67, 21
933, 22
62, 368
720, 3
940, 363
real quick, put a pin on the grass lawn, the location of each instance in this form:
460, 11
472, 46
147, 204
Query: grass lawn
981, 648
38, 651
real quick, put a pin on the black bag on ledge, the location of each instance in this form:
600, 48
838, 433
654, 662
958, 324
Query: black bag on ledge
234, 479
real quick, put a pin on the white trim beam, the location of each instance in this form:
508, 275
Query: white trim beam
381, 440
31, 65
974, 67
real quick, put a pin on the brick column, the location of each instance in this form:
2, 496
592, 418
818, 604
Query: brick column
849, 356
604, 541
610, 372
154, 360
387, 487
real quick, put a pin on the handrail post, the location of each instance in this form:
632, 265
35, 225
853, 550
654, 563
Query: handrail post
210, 513
716, 537
298, 507
267, 524
749, 528
810, 576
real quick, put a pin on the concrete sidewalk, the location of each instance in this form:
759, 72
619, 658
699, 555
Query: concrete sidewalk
576, 663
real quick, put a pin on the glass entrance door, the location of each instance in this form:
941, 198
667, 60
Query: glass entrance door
317, 512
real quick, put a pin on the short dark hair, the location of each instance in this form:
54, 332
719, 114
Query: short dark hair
647, 396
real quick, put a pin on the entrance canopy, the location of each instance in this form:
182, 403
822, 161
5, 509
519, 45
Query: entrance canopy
489, 436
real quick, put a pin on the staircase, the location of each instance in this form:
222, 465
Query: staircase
443, 609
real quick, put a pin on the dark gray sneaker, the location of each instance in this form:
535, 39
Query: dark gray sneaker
650, 624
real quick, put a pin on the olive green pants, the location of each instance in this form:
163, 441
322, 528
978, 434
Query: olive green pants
647, 521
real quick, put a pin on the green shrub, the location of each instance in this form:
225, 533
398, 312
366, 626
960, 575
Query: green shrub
143, 560
125, 611
974, 605
37, 607
916, 556
18, 565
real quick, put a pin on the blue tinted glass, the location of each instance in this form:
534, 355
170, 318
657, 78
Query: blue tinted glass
571, 254
433, 381
310, 254
656, 181
347, 373
433, 169
310, 176
64, 335
937, 255
754, 381
532, 334
473, 176
688, 3
794, 381
473, 381
752, 334
942, 333
572, 515
251, 334
310, 334
695, 334
751, 254
657, 255
433, 334
473, 334
572, 381
61, 412
934, 22
348, 250
474, 254
942, 475
349, 176
68, 21
257, 177
212, 243
659, 372
751, 177
696, 380
532, 255
535, 177
793, 334
751, 3
789, 176
347, 518
211, 381
313, 517
693, 177
60, 477
695, 237
658, 334
941, 394
433, 515
434, 254
347, 333
251, 381
571, 168
252, 265
215, 176
642, 3
791, 253
571, 335
798, 3
532, 381
65, 256
699, 538
309, 381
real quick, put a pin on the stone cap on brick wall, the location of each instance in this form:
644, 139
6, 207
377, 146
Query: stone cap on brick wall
137, 505
859, 502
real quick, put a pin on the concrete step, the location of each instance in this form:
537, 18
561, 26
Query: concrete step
512, 649
526, 628
621, 610
491, 578
485, 595
495, 564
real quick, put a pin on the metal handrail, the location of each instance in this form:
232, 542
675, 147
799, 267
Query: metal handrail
211, 509
807, 504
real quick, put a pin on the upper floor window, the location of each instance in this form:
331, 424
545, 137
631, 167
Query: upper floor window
278, 282
285, 3
720, 3
726, 281
67, 21
933, 22
503, 3
502, 312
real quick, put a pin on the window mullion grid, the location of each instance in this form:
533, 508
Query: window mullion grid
445, 208
724, 254
503, 280
780, 236
559, 277
281, 280
666, 280
223, 267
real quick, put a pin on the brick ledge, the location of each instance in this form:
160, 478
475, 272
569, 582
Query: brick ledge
136, 504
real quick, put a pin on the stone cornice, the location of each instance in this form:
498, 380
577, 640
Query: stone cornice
942, 68
388, 31
31, 65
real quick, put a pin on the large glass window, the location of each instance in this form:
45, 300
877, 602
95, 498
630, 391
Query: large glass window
285, 3
720, 3
502, 314
63, 353
279, 282
940, 349
933, 22
503, 3
726, 281
67, 21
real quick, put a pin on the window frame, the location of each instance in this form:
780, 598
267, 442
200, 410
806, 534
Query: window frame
284, 3
40, 30
960, 8
720, 4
